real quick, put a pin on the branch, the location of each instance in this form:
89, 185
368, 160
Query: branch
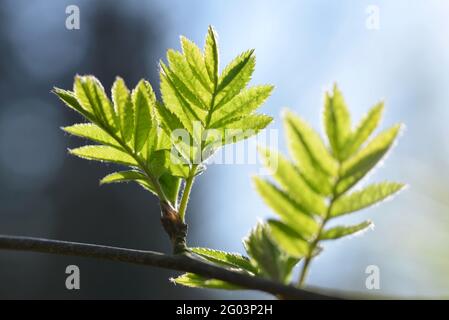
183, 263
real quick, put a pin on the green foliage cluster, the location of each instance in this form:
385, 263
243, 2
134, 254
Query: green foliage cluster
212, 109
310, 190
208, 108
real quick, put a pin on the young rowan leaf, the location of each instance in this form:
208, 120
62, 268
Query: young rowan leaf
366, 126
104, 153
241, 105
310, 153
127, 176
195, 59
235, 77
244, 128
185, 82
313, 189
143, 101
366, 197
70, 100
265, 254
176, 103
211, 55
356, 167
104, 104
91, 96
170, 185
196, 281
124, 108
285, 173
233, 260
123, 176
288, 239
290, 212
214, 109
158, 162
337, 121
84, 96
92, 132
343, 231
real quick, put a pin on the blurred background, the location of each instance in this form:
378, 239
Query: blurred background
302, 47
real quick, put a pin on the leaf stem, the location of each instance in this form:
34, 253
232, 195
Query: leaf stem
316, 240
186, 193
313, 245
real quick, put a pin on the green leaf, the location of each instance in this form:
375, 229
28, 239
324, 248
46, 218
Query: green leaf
235, 77
170, 124
292, 182
365, 128
124, 107
170, 185
337, 121
127, 176
211, 55
364, 198
288, 210
158, 162
342, 231
92, 132
104, 153
91, 96
186, 83
143, 100
176, 103
306, 146
288, 239
227, 259
310, 154
105, 105
195, 59
358, 166
213, 109
69, 98
245, 128
241, 105
196, 281
272, 262
83, 96
123, 176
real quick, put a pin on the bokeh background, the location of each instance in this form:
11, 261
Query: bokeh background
302, 47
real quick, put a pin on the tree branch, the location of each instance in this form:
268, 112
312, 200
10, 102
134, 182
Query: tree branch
183, 263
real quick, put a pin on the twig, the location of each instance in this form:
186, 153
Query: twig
183, 263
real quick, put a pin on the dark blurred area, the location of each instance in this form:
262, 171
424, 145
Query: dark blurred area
44, 191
